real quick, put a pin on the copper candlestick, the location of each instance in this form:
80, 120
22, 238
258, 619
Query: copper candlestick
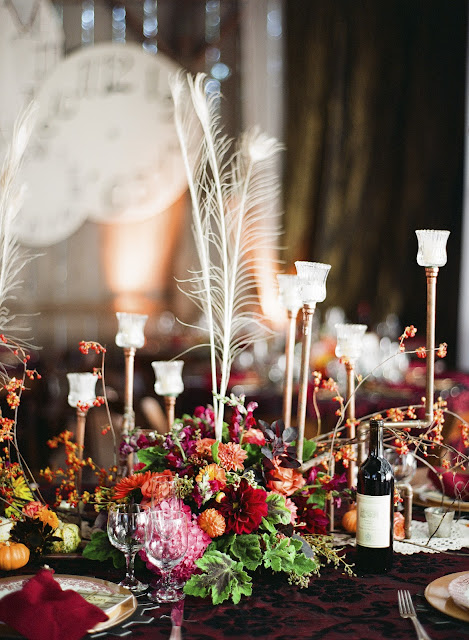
170, 404
350, 415
289, 361
81, 420
308, 312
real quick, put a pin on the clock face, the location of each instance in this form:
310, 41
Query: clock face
104, 147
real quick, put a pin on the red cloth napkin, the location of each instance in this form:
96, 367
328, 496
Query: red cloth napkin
42, 610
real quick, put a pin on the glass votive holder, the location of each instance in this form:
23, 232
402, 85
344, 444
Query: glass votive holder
289, 290
439, 521
350, 340
312, 278
82, 389
130, 330
168, 375
432, 247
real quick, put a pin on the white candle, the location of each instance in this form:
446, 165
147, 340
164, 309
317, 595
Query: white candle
432, 247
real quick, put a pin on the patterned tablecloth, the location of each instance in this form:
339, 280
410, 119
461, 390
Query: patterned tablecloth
334, 607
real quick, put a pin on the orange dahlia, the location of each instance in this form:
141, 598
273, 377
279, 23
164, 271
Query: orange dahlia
48, 517
213, 472
128, 484
204, 447
231, 456
212, 522
151, 485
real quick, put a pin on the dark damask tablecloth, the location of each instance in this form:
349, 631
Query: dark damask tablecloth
333, 607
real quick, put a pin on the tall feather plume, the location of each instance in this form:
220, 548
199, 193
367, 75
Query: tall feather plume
13, 258
235, 220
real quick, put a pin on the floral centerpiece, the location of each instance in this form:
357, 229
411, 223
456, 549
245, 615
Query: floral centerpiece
249, 506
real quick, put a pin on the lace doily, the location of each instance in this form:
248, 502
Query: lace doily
418, 542
459, 539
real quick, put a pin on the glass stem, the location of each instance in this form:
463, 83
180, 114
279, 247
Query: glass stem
165, 578
129, 562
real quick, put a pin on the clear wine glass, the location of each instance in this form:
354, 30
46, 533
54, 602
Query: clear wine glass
166, 534
126, 532
404, 465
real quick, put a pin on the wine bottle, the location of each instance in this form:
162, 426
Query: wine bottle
375, 507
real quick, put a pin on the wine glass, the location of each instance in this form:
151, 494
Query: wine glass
165, 495
166, 534
404, 465
126, 532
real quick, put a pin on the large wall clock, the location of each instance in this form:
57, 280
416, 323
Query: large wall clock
105, 146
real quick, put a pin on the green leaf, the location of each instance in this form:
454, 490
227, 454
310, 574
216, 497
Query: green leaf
152, 457
254, 452
215, 452
99, 548
221, 578
279, 555
309, 447
277, 512
247, 548
223, 543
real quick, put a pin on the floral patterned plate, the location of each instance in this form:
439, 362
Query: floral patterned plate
116, 601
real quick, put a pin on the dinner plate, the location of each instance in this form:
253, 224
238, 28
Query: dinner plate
438, 596
117, 602
432, 498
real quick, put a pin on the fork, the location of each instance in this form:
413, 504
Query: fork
406, 610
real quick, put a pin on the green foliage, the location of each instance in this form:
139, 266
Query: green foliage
215, 457
247, 548
99, 548
284, 554
309, 447
221, 578
153, 458
254, 456
277, 512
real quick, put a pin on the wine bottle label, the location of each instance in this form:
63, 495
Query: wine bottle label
373, 521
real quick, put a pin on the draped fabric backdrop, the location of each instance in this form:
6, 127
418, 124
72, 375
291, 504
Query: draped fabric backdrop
375, 142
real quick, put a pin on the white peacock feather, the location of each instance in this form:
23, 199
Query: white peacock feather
13, 257
235, 215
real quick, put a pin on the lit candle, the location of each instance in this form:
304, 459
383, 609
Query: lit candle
168, 377
130, 330
81, 389
432, 247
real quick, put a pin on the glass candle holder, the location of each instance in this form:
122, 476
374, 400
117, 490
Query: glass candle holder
349, 340
289, 289
312, 278
432, 247
130, 330
168, 377
81, 388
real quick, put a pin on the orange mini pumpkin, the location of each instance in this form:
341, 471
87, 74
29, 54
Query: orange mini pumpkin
13, 555
349, 520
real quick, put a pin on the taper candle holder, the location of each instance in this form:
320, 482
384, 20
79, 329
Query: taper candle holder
130, 336
349, 348
169, 384
81, 396
290, 299
431, 254
312, 280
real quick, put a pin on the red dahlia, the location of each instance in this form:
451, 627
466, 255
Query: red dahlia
243, 508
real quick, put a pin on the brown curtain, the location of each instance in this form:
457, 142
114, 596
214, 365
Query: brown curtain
375, 142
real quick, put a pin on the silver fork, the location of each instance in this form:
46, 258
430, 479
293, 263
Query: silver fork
406, 610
